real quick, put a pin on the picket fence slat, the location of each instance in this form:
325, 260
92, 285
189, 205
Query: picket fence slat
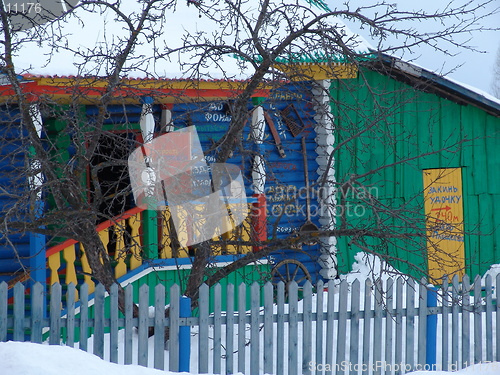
241, 327
445, 301
319, 324
478, 327
37, 295
342, 322
389, 321
230, 329
410, 322
99, 321
84, 315
306, 329
489, 318
399, 321
455, 322
159, 328
465, 322
268, 328
330, 321
113, 316
367, 338
275, 329
129, 315
377, 325
55, 315
70, 315
422, 321
217, 330
292, 328
19, 312
174, 329
280, 329
142, 345
355, 318
254, 328
203, 335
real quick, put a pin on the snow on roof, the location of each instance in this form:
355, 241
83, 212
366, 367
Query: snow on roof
475, 90
450, 83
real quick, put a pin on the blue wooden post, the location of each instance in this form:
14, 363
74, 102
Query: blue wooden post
38, 266
184, 336
431, 342
38, 260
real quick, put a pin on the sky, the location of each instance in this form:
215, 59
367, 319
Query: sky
474, 68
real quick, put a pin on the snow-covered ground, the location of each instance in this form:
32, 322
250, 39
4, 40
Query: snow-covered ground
34, 359
22, 358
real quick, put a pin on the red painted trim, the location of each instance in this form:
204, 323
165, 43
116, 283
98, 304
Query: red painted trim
259, 220
109, 223
55, 249
104, 225
33, 90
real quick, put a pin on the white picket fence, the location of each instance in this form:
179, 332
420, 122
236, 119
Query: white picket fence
390, 327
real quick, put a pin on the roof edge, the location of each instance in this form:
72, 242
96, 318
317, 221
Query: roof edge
442, 84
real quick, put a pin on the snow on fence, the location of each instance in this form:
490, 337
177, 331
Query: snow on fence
389, 327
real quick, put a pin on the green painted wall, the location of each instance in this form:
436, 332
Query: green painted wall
383, 122
248, 275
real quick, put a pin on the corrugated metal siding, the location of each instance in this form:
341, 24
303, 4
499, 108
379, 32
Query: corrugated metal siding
421, 123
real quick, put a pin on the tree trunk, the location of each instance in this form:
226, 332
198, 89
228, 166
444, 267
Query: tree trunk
100, 263
200, 262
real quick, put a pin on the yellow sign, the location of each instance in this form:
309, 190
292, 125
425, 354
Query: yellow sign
444, 222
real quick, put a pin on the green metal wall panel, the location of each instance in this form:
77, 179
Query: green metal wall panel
410, 123
248, 275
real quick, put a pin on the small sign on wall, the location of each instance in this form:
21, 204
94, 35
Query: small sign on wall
444, 222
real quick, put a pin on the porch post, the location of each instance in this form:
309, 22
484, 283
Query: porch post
38, 268
259, 220
149, 216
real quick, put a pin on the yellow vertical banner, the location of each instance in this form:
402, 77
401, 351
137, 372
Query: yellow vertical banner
444, 222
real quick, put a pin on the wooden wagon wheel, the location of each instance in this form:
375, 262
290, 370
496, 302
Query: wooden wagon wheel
289, 270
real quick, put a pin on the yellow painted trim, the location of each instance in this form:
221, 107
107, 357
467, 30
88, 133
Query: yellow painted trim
87, 270
318, 71
120, 251
54, 263
104, 236
70, 258
135, 246
150, 84
165, 240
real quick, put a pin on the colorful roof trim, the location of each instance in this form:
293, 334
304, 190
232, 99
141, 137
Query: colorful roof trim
90, 89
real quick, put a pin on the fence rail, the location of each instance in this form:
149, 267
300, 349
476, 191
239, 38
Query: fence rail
390, 327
